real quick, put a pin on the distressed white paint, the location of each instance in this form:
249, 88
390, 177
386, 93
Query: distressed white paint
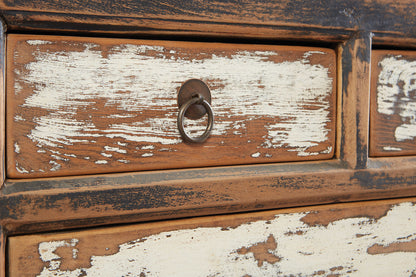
20, 169
46, 252
396, 93
115, 149
55, 166
304, 250
16, 148
124, 161
18, 118
106, 155
391, 148
255, 155
250, 86
37, 42
148, 147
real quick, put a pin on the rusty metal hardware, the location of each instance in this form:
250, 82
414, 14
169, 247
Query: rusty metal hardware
194, 100
188, 90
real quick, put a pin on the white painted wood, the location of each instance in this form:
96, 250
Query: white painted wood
395, 94
294, 96
342, 247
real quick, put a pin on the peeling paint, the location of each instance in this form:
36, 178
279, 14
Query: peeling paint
47, 252
20, 169
284, 246
293, 96
115, 149
124, 161
395, 94
55, 165
255, 155
16, 148
391, 148
37, 42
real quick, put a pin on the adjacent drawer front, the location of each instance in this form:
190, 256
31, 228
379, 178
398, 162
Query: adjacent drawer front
91, 105
393, 103
371, 239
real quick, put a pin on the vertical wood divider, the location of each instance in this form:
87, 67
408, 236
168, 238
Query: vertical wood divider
354, 60
2, 252
3, 237
2, 102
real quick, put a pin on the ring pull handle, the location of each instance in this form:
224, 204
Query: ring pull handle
194, 99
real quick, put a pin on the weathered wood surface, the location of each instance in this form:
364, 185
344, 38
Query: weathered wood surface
360, 239
2, 103
392, 22
393, 103
74, 202
353, 113
3, 240
89, 105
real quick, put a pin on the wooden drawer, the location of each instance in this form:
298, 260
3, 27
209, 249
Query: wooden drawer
360, 239
393, 103
91, 105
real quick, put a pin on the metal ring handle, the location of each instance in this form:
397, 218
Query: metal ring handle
195, 100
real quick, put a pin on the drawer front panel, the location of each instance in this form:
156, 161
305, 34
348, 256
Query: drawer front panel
393, 103
361, 239
91, 105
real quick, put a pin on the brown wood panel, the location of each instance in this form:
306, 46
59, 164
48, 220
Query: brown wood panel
74, 202
353, 79
392, 22
2, 252
89, 105
2, 103
356, 239
393, 103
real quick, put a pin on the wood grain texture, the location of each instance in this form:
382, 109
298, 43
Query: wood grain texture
391, 22
393, 103
83, 105
74, 202
354, 81
361, 239
3, 252
2, 103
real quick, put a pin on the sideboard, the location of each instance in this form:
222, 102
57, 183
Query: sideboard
309, 168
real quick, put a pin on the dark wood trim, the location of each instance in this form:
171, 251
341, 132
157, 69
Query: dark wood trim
354, 57
62, 203
3, 240
2, 102
391, 22
352, 228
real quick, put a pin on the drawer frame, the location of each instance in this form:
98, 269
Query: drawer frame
51, 204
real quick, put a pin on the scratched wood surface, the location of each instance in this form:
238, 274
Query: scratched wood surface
83, 105
359, 239
2, 103
390, 21
393, 103
3, 262
353, 112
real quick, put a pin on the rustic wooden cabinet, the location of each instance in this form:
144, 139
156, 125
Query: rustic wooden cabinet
309, 170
